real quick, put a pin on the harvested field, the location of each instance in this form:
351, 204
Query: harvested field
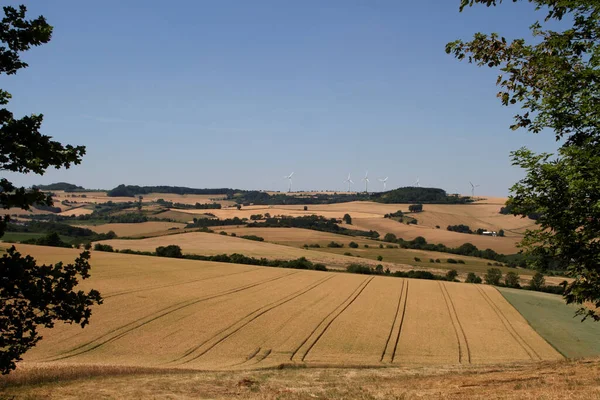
184, 314
76, 211
176, 216
551, 380
369, 216
135, 229
503, 245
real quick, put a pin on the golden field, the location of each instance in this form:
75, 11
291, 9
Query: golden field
134, 229
210, 244
184, 314
369, 216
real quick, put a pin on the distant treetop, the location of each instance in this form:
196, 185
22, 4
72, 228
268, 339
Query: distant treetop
67, 187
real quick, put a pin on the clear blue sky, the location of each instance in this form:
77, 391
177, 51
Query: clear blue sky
241, 93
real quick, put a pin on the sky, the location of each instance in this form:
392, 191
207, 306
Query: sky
241, 93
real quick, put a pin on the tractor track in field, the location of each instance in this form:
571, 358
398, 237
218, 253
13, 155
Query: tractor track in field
175, 284
508, 326
247, 319
401, 323
361, 286
159, 314
398, 308
459, 335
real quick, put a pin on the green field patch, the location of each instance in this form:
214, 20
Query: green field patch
555, 321
20, 236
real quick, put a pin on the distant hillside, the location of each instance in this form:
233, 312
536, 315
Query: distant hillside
67, 187
401, 195
134, 190
420, 195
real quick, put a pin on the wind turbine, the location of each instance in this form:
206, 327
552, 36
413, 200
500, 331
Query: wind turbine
349, 181
473, 188
366, 179
417, 182
384, 181
289, 178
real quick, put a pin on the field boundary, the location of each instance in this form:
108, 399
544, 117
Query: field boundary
507, 324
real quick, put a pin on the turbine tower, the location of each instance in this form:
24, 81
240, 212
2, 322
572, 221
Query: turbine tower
384, 181
349, 182
473, 188
289, 178
366, 179
417, 182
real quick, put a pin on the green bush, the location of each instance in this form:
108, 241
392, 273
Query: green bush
223, 233
461, 261
512, 280
493, 276
537, 282
451, 261
335, 245
451, 275
253, 237
472, 278
431, 260
103, 247
417, 259
437, 260
172, 251
360, 269
353, 245
379, 258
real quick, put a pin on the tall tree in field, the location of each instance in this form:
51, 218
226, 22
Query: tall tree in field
555, 80
32, 295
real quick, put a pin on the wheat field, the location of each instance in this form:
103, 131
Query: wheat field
186, 314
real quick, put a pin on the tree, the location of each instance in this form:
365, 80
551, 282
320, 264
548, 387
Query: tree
556, 81
415, 208
171, 250
493, 276
389, 237
511, 279
451, 275
347, 219
501, 233
32, 295
537, 281
379, 258
472, 278
353, 245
